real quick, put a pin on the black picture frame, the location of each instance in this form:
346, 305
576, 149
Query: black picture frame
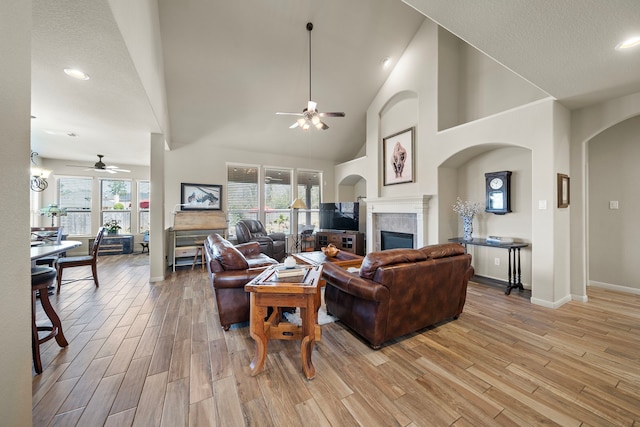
564, 192
398, 157
200, 197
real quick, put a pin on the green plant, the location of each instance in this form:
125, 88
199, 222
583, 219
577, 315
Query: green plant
112, 226
118, 206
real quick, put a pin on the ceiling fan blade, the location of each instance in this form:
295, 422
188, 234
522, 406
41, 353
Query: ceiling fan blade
289, 114
122, 170
324, 126
335, 114
294, 125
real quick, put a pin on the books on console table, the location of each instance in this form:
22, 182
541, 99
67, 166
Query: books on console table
497, 240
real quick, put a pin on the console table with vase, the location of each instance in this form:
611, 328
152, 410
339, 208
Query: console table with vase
514, 271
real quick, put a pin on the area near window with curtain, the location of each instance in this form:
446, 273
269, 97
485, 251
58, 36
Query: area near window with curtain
242, 195
144, 193
245, 201
115, 202
74, 194
277, 198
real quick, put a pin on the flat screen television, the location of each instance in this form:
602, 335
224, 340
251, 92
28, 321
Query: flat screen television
340, 216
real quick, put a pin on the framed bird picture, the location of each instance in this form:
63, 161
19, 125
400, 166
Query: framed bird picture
200, 197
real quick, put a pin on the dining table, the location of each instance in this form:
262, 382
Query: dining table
43, 249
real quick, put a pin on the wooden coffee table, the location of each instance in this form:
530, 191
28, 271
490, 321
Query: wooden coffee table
344, 259
268, 291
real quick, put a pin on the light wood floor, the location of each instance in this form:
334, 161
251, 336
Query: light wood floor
155, 354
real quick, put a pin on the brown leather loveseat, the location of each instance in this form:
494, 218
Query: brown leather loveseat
399, 291
230, 268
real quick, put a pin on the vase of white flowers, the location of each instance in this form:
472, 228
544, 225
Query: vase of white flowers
112, 227
467, 210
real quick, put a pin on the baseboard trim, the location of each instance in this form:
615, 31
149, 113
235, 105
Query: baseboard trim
612, 287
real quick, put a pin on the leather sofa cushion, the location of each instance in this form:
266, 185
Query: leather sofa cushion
373, 260
227, 255
442, 251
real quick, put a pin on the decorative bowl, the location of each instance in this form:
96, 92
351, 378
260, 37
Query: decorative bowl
330, 250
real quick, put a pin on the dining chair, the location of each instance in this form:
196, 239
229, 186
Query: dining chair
81, 261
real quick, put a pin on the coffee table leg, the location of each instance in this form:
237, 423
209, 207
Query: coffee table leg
307, 315
256, 326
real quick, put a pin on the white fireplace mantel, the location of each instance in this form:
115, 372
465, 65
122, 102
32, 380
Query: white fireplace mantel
418, 205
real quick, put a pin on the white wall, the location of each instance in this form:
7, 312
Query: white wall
613, 176
15, 303
585, 124
540, 128
198, 162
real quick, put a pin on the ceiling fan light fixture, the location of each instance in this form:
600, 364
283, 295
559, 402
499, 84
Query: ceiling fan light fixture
310, 115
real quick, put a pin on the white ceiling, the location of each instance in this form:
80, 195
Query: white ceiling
230, 65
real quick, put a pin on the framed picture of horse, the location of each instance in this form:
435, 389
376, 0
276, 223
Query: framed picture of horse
397, 157
200, 197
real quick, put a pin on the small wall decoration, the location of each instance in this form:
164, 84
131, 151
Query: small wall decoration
200, 197
397, 157
563, 191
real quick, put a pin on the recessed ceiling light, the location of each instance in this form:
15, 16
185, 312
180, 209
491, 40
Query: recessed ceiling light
386, 62
76, 74
629, 43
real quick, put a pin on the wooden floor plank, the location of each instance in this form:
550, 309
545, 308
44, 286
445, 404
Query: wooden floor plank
154, 353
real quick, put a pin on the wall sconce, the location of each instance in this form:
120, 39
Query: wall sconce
38, 175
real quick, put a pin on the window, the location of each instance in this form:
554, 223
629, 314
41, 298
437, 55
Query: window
144, 193
277, 198
242, 195
309, 190
74, 194
115, 199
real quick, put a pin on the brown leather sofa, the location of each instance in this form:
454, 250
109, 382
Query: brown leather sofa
230, 268
399, 291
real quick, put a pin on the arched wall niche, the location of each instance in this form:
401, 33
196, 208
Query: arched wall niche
462, 175
400, 112
353, 188
397, 98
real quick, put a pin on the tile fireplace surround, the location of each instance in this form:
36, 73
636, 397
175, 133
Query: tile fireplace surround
400, 214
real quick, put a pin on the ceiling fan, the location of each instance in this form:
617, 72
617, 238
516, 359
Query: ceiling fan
310, 116
99, 166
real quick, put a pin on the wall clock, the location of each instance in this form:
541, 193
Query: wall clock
498, 188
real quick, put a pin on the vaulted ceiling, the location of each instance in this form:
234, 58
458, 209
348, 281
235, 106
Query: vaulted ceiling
229, 66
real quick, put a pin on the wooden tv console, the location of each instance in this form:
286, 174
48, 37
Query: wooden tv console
350, 241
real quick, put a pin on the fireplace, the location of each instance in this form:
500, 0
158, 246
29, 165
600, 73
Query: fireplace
394, 240
398, 214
